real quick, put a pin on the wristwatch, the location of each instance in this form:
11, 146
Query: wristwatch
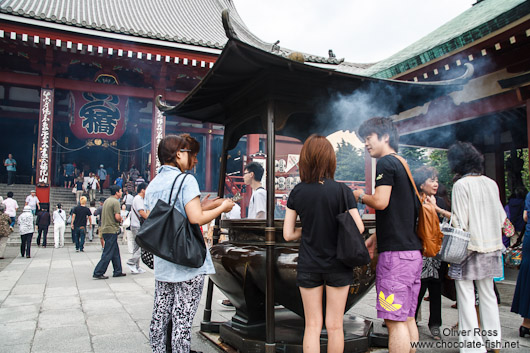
361, 197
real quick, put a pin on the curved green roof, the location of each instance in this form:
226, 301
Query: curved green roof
477, 22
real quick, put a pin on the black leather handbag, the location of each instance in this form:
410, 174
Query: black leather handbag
351, 249
168, 234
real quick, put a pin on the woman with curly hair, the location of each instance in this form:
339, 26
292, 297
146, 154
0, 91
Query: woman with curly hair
477, 209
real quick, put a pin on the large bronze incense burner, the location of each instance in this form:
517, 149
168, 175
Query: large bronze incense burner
253, 90
241, 271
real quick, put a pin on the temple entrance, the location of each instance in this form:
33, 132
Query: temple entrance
21, 143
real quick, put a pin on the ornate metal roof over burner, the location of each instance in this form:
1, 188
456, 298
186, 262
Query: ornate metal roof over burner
252, 91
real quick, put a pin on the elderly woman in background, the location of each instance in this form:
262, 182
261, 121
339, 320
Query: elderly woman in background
178, 288
477, 209
426, 179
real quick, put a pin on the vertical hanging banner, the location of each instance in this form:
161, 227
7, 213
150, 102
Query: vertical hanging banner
158, 132
45, 136
97, 116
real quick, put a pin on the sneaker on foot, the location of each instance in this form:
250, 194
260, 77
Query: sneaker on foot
140, 270
133, 268
119, 275
227, 303
76, 250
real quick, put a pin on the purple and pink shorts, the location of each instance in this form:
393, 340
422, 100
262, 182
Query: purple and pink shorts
398, 282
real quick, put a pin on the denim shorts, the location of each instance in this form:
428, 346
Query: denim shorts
334, 279
398, 282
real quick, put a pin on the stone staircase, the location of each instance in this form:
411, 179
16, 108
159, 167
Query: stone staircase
60, 195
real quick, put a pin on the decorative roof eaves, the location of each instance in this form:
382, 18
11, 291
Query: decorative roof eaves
107, 34
111, 29
456, 43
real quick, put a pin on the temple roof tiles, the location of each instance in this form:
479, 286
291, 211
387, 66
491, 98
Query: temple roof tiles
191, 22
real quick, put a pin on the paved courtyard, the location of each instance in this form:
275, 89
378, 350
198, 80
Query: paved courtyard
50, 303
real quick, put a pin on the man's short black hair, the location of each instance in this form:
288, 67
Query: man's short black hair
257, 169
141, 186
380, 126
114, 189
10, 194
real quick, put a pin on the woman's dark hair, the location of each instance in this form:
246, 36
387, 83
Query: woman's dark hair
464, 158
10, 194
317, 160
422, 174
171, 144
380, 126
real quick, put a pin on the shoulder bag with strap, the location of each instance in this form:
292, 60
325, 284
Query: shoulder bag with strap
168, 234
140, 218
351, 249
428, 227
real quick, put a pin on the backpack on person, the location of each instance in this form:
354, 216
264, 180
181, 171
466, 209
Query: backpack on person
428, 226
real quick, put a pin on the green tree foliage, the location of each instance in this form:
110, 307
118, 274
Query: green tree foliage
350, 162
416, 157
522, 153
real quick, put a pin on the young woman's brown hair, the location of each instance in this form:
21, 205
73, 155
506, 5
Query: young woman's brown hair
317, 160
171, 144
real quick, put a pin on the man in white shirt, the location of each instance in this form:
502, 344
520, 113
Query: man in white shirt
11, 208
92, 186
257, 208
33, 202
138, 215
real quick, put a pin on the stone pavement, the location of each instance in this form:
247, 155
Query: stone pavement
50, 303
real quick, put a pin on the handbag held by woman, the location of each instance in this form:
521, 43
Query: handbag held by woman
454, 245
351, 249
169, 235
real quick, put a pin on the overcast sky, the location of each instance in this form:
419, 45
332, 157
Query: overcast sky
361, 31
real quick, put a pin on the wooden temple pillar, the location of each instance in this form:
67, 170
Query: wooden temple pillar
44, 144
208, 162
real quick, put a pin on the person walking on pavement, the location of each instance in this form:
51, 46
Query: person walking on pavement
11, 166
80, 218
79, 189
102, 174
97, 214
59, 226
91, 226
138, 215
92, 186
43, 222
11, 208
128, 199
110, 228
5, 229
33, 202
25, 225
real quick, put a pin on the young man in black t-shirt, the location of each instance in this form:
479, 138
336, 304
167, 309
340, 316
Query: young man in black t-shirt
400, 261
